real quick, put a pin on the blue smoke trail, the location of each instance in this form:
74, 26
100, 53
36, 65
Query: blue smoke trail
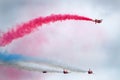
6, 57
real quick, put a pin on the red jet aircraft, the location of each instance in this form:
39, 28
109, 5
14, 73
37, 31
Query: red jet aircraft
90, 71
97, 21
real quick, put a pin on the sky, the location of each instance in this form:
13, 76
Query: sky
80, 43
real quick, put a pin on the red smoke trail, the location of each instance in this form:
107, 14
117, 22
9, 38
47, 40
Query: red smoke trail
28, 27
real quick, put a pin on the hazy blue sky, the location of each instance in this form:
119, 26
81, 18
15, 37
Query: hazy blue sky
80, 43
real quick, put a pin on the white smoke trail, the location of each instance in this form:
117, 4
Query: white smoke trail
35, 64
43, 65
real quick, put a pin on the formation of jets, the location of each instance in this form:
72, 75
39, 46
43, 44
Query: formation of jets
40, 65
66, 72
37, 66
89, 71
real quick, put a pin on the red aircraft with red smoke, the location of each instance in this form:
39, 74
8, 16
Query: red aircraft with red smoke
97, 21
